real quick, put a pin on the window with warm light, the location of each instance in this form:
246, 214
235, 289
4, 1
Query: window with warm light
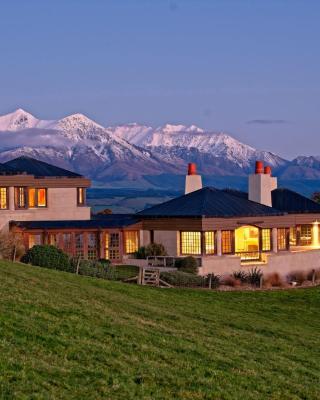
190, 243
53, 239
293, 236
34, 240
306, 235
32, 197
209, 242
81, 196
3, 198
20, 196
227, 242
266, 239
131, 242
282, 239
42, 197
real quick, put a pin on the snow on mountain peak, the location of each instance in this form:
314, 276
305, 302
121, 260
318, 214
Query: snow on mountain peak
18, 119
172, 129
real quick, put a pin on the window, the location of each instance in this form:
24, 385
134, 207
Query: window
266, 239
191, 243
114, 246
67, 242
53, 240
293, 236
131, 242
3, 198
92, 246
282, 239
37, 197
20, 195
209, 242
34, 240
79, 245
227, 242
81, 196
106, 248
306, 235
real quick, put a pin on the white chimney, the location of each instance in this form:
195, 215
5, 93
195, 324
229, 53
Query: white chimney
193, 181
261, 184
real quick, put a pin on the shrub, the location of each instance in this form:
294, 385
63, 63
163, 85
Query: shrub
273, 280
231, 281
180, 278
240, 275
187, 264
47, 256
152, 249
298, 276
254, 276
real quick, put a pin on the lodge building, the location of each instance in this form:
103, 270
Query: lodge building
225, 230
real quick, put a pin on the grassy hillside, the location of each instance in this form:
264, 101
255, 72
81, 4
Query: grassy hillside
69, 337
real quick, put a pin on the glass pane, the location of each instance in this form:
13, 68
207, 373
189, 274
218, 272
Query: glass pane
32, 197
191, 243
42, 198
209, 239
131, 242
266, 239
3, 198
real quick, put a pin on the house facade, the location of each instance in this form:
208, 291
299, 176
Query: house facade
275, 229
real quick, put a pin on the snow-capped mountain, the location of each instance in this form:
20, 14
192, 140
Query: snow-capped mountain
134, 152
208, 149
77, 143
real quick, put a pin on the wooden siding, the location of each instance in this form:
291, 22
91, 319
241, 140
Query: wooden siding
50, 182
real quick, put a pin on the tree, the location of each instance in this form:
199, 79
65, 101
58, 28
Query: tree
11, 246
316, 197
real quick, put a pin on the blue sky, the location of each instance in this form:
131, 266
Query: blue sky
250, 68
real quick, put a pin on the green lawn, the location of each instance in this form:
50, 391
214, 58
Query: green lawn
71, 337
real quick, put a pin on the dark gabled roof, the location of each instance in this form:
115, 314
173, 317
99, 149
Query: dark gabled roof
292, 202
237, 193
111, 221
209, 202
39, 168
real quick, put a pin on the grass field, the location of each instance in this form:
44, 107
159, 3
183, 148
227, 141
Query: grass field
71, 337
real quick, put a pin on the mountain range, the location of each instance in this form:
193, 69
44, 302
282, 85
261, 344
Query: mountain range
135, 155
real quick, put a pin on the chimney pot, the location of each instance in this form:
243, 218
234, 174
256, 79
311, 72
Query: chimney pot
267, 170
259, 167
192, 169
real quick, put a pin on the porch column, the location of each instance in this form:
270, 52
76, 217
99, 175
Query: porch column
219, 245
11, 198
275, 240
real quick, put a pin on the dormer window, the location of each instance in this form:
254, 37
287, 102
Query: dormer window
81, 196
3, 198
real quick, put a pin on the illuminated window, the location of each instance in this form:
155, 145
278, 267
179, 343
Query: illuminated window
306, 235
79, 245
42, 197
191, 243
34, 240
92, 246
53, 240
131, 242
106, 248
3, 198
227, 242
266, 239
293, 236
209, 242
81, 196
282, 239
20, 197
32, 197
67, 242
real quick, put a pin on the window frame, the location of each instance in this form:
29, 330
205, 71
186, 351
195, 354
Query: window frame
17, 190
263, 249
183, 243
133, 248
232, 244
6, 188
